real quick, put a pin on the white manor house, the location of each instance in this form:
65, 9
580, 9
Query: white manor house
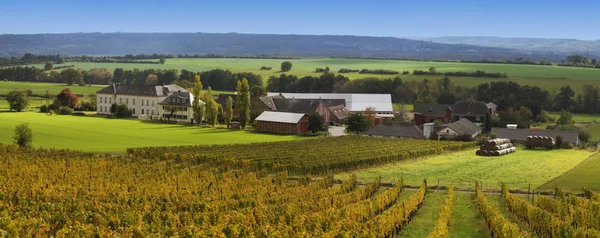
142, 100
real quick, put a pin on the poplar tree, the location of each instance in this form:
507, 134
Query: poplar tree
228, 111
197, 106
243, 102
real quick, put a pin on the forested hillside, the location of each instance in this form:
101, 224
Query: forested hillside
233, 44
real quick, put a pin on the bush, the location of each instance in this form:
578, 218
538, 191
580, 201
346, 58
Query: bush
348, 71
378, 71
23, 136
44, 109
123, 112
87, 106
64, 110
405, 72
559, 141
265, 68
567, 145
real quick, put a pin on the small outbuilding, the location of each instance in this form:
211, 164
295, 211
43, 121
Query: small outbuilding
396, 131
282, 122
460, 127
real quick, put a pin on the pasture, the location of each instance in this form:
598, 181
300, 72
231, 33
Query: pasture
548, 77
586, 174
90, 133
517, 170
53, 88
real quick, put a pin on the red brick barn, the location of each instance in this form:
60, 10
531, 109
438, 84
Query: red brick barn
282, 123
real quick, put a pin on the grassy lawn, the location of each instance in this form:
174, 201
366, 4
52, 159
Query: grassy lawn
585, 174
115, 135
466, 220
53, 88
547, 77
579, 117
426, 217
517, 170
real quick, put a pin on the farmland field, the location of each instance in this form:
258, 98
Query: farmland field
53, 88
517, 170
547, 77
34, 104
586, 174
90, 133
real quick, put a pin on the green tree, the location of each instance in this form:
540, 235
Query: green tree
48, 66
258, 91
286, 66
197, 106
432, 71
17, 100
315, 123
59, 59
357, 123
212, 108
425, 100
72, 76
243, 102
23, 136
228, 111
122, 111
565, 118
161, 61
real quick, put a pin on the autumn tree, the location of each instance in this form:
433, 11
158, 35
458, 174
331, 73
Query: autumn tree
228, 111
152, 79
66, 98
243, 102
370, 114
17, 100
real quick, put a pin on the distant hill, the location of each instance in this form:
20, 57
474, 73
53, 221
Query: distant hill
528, 45
233, 44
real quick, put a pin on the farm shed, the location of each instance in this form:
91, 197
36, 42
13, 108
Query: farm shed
396, 130
520, 135
460, 127
355, 102
282, 122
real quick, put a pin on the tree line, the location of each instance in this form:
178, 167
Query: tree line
580, 61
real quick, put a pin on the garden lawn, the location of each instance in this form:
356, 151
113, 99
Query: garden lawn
586, 174
90, 133
517, 170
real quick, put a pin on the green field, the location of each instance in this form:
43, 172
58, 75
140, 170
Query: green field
517, 170
585, 174
582, 118
53, 88
34, 104
547, 77
90, 133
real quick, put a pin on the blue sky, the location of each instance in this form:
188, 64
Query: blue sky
508, 18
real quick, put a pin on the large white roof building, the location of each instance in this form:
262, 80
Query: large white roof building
355, 102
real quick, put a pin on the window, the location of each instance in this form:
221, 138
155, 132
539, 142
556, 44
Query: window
127, 101
153, 103
147, 102
477, 118
109, 100
133, 102
133, 111
100, 109
142, 104
106, 109
142, 111
447, 130
152, 112
168, 100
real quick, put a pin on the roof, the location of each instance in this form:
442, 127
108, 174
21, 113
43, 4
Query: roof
466, 108
464, 126
432, 109
307, 106
354, 102
222, 99
283, 117
142, 90
179, 99
339, 111
522, 134
268, 101
396, 130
